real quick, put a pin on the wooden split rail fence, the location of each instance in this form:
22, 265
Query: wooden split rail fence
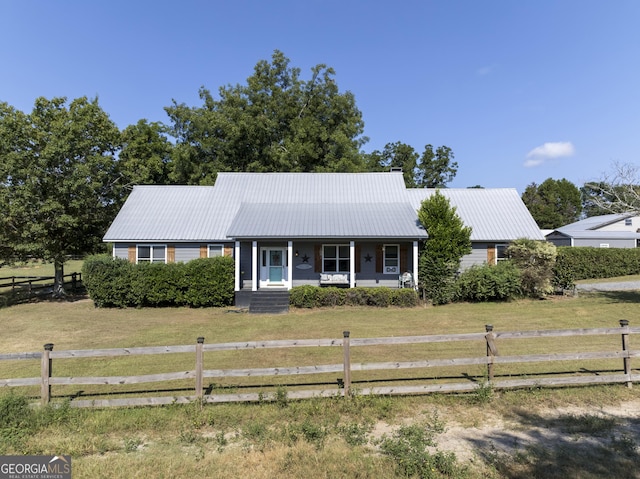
31, 286
491, 361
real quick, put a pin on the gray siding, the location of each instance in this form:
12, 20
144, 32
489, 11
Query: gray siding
478, 255
184, 252
613, 243
121, 250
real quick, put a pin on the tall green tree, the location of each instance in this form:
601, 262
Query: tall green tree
58, 188
553, 203
395, 155
448, 241
436, 168
276, 122
145, 158
432, 169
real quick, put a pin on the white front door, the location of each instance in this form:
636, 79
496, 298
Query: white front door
273, 267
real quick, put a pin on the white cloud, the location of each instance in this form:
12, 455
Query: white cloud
549, 151
531, 162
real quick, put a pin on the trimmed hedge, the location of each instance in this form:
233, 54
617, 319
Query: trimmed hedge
317, 297
500, 282
114, 282
575, 263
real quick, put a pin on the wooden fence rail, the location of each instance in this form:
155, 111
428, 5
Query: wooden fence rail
491, 360
30, 286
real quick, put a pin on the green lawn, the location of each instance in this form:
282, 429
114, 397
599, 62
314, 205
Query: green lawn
38, 268
314, 438
79, 325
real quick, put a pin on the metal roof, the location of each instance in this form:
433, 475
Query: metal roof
253, 205
595, 222
494, 214
166, 213
597, 234
326, 220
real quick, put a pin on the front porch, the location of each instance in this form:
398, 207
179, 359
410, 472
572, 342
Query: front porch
273, 264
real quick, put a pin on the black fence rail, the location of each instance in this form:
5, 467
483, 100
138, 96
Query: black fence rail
23, 288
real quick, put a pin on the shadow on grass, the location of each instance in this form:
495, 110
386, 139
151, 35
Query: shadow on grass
10, 298
564, 446
629, 296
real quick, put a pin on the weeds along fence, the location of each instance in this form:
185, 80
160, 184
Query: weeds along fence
499, 371
27, 287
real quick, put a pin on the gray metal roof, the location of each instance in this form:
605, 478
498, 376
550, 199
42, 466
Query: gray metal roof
236, 188
166, 213
326, 220
253, 205
597, 234
494, 214
595, 222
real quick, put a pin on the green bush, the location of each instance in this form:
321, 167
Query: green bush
564, 274
317, 297
210, 282
498, 282
332, 296
114, 282
535, 260
304, 296
161, 284
575, 263
108, 280
404, 298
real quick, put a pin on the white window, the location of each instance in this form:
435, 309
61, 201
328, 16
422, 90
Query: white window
335, 258
155, 253
215, 250
391, 259
501, 252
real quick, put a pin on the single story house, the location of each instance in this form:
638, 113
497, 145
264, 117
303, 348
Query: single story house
291, 229
620, 230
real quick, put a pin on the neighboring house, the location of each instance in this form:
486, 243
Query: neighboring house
291, 229
606, 231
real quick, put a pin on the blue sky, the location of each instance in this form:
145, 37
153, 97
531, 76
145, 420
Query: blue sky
521, 90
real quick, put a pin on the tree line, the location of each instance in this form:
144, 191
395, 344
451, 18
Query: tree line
555, 203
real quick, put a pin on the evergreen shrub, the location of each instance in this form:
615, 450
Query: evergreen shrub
500, 282
308, 296
578, 263
115, 282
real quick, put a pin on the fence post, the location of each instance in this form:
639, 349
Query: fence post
199, 366
624, 324
347, 363
492, 350
73, 282
45, 374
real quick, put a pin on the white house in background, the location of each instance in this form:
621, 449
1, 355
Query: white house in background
607, 231
290, 229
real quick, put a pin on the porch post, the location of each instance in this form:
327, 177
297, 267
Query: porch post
290, 264
254, 266
415, 264
237, 263
352, 264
